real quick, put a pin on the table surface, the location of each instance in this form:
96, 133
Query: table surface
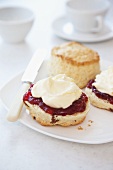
21, 147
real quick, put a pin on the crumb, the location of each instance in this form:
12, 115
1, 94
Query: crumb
90, 121
89, 124
80, 128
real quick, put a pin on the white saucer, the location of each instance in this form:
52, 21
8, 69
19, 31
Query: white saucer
64, 29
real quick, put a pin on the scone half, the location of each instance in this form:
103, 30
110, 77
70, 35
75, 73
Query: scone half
47, 119
99, 99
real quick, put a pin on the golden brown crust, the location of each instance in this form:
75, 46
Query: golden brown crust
75, 54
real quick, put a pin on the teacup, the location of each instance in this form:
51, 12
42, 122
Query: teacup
15, 23
87, 15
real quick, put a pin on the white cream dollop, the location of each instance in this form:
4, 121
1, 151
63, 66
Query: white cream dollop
104, 81
58, 91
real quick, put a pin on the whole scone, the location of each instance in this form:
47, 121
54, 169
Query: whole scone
76, 61
100, 90
56, 101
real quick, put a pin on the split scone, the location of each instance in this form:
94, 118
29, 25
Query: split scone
56, 101
76, 61
100, 90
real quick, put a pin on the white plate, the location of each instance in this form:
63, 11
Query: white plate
64, 29
100, 131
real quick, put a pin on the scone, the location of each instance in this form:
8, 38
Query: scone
76, 61
100, 90
56, 100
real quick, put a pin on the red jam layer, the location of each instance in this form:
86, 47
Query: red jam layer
77, 106
99, 94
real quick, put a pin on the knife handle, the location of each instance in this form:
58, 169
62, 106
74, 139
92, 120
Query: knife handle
16, 107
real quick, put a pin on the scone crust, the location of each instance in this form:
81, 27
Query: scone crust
100, 103
45, 119
75, 53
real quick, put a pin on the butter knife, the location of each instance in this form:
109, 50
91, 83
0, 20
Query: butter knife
27, 78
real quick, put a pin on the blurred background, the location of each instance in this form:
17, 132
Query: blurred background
45, 12
41, 34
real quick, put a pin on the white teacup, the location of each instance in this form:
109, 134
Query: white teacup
15, 23
87, 15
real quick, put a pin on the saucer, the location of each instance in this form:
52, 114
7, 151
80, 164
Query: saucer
64, 29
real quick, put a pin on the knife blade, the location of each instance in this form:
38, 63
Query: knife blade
27, 78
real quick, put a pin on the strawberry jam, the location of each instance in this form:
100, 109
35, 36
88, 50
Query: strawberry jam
99, 94
77, 106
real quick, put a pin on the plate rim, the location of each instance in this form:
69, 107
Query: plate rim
65, 138
7, 82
